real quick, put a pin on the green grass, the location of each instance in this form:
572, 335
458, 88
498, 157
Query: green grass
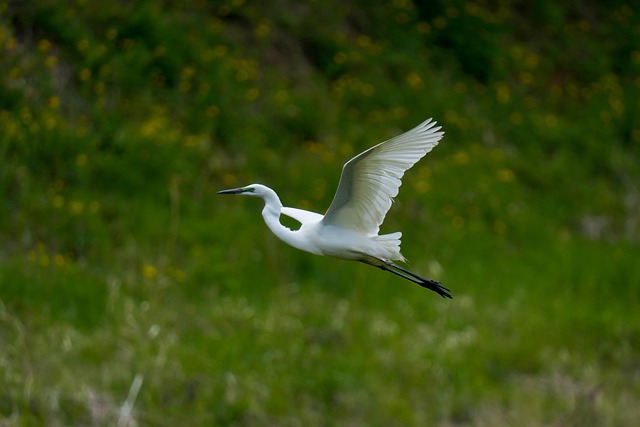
120, 267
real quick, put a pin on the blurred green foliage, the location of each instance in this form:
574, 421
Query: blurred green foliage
119, 120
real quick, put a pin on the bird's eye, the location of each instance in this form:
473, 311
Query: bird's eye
249, 189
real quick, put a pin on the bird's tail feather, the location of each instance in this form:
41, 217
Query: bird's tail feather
390, 243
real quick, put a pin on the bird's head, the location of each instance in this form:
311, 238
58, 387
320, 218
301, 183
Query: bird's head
255, 190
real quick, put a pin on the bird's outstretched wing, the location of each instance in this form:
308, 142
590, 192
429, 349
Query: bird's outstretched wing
370, 180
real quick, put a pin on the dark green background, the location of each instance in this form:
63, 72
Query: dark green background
119, 120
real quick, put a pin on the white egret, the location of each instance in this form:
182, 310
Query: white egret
349, 229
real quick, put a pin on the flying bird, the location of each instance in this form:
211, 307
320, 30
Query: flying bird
349, 229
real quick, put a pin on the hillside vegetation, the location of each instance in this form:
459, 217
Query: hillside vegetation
131, 294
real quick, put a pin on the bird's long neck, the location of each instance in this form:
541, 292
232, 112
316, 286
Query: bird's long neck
271, 215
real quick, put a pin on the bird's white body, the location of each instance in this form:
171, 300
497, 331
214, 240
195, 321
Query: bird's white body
349, 229
319, 238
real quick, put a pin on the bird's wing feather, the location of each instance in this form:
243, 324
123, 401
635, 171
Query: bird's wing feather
302, 216
371, 180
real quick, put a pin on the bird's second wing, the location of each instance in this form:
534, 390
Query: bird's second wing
371, 180
302, 216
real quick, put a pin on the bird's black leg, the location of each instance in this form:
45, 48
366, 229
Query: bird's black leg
386, 267
434, 285
404, 270
390, 266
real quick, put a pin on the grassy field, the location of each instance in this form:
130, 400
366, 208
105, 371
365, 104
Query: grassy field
131, 294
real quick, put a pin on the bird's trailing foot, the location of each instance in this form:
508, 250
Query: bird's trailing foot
390, 266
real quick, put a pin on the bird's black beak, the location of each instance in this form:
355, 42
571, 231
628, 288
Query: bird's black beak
232, 191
